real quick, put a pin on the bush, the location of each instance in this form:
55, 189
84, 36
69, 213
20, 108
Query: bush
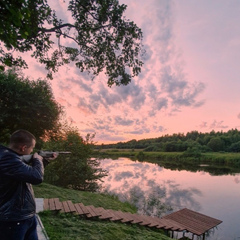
235, 147
26, 104
192, 152
77, 170
216, 144
140, 156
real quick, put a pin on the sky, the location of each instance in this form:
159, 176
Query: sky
189, 80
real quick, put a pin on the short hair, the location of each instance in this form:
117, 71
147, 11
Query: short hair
21, 137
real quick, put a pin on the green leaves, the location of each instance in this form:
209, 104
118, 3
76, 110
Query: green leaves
77, 171
27, 104
101, 39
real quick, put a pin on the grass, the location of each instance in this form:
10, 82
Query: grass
219, 162
45, 190
72, 227
223, 156
218, 157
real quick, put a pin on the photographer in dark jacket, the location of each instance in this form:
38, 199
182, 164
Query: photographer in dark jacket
17, 203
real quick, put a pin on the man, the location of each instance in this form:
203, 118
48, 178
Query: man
17, 203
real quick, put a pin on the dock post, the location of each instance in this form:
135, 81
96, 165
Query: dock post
204, 236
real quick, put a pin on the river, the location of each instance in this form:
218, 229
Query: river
150, 186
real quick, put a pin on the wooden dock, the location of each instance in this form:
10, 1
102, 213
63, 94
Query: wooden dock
184, 220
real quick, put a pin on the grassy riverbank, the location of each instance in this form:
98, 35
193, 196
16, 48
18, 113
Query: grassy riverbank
70, 227
214, 157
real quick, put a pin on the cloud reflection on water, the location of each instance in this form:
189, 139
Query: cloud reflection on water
142, 184
236, 180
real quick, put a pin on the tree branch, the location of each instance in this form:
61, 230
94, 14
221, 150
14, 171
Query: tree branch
56, 28
79, 2
71, 26
67, 36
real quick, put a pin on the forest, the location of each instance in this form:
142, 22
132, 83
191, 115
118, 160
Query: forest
196, 141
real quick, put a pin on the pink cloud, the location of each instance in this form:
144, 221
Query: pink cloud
189, 81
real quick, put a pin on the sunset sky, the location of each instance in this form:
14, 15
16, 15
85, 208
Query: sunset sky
189, 81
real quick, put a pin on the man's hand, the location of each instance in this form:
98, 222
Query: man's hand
36, 155
54, 156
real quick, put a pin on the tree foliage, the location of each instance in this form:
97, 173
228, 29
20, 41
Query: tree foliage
26, 104
96, 38
216, 144
192, 143
235, 147
77, 170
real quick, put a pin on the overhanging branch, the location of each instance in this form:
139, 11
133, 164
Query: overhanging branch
56, 27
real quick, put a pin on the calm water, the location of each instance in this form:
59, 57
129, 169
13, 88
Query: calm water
149, 186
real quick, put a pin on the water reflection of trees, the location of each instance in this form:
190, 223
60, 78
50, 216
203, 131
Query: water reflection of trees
180, 198
150, 203
140, 188
159, 200
212, 169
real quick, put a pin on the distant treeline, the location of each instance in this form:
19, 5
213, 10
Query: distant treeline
192, 141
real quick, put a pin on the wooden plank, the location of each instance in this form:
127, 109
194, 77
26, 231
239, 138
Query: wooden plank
100, 210
103, 213
58, 204
194, 222
191, 224
97, 211
116, 216
202, 220
71, 206
46, 204
136, 218
84, 209
91, 213
148, 221
121, 214
190, 220
51, 204
107, 214
66, 208
184, 219
79, 209
201, 217
125, 217
159, 225
158, 222
169, 224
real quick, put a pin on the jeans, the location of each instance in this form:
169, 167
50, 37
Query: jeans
20, 230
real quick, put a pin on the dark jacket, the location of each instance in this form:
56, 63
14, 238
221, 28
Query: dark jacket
16, 194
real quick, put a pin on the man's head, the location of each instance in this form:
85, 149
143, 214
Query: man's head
22, 142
